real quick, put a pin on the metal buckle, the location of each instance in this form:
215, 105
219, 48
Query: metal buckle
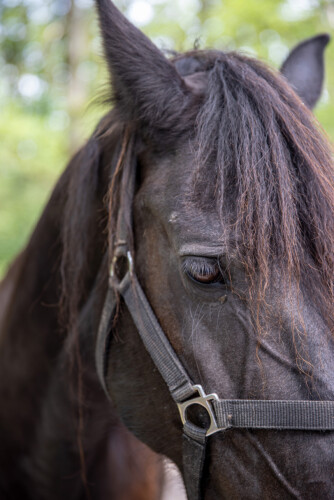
113, 274
204, 401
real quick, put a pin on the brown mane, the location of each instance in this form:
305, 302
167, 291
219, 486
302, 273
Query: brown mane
271, 175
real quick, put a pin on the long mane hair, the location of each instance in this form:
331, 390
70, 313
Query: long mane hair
271, 177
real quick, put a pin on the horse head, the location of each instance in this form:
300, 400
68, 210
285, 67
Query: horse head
215, 342
232, 240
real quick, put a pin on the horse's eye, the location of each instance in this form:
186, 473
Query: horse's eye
203, 270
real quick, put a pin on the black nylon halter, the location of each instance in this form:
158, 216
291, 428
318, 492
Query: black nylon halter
223, 413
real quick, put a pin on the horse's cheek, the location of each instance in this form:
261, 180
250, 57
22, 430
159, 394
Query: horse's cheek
140, 395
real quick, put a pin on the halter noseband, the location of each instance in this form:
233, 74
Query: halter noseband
223, 413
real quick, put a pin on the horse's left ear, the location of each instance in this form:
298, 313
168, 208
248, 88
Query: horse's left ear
304, 68
146, 85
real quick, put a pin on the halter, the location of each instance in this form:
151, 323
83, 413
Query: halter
224, 414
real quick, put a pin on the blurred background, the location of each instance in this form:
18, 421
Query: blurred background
52, 73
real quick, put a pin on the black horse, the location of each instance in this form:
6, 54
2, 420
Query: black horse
225, 188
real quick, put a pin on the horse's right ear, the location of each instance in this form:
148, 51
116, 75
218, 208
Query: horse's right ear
145, 84
304, 68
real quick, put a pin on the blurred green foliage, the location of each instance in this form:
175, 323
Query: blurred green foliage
31, 156
51, 69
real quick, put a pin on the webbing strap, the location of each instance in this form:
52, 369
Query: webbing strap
193, 454
101, 349
271, 414
155, 340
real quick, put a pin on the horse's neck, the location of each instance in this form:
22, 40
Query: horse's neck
29, 333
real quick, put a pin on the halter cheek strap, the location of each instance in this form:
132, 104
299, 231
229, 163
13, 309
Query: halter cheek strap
180, 386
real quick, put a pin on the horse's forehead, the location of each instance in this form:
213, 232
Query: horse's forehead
167, 195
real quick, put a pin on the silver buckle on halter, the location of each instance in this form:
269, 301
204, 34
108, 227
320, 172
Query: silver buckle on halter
115, 260
203, 400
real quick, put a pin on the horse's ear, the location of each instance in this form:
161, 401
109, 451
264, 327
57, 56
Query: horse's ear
145, 84
304, 68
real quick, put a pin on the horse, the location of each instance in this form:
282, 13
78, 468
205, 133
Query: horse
201, 210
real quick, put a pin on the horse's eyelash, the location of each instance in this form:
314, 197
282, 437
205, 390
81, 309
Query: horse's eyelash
200, 266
